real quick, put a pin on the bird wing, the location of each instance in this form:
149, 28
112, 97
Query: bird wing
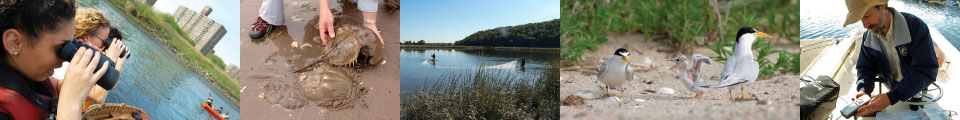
698, 61
728, 67
742, 71
629, 72
752, 71
602, 69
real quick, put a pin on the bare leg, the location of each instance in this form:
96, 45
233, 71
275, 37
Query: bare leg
741, 93
697, 96
621, 93
606, 91
730, 93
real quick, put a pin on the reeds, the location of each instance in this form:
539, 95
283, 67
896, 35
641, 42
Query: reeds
486, 94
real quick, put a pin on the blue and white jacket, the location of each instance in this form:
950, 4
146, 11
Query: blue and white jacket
918, 61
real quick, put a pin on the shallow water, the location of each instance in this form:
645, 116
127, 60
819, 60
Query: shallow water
154, 80
824, 18
417, 70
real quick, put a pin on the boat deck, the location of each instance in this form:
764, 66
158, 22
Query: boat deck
837, 58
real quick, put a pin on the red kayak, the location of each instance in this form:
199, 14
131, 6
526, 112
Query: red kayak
212, 112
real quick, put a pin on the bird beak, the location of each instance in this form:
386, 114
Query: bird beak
763, 35
673, 67
626, 59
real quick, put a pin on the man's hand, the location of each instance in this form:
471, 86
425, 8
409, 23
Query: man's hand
876, 104
858, 95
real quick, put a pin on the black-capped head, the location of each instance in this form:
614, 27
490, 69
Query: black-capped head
622, 52
750, 34
745, 30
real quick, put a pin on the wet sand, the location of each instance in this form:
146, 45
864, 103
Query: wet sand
266, 67
776, 95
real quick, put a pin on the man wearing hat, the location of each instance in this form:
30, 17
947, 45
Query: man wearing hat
897, 51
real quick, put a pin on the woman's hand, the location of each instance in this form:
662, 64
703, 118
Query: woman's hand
372, 26
116, 48
77, 82
325, 25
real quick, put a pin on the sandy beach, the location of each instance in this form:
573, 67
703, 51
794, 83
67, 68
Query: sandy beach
776, 96
271, 89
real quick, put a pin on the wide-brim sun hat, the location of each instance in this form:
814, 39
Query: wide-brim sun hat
856, 9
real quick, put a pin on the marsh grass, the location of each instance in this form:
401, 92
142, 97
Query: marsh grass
486, 94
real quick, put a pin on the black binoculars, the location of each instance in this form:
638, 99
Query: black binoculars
114, 34
109, 79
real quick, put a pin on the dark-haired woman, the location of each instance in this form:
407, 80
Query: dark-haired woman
32, 33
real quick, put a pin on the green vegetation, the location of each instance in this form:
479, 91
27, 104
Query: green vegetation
421, 42
541, 34
163, 27
482, 94
786, 61
216, 60
684, 25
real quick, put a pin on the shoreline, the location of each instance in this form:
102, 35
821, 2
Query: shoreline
234, 98
267, 67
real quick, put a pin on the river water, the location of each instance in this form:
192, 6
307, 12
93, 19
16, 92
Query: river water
154, 80
417, 70
824, 18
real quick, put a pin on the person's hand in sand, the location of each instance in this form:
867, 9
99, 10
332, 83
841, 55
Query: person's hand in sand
370, 21
326, 21
369, 9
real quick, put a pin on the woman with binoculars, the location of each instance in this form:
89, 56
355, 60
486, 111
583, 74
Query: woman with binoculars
34, 34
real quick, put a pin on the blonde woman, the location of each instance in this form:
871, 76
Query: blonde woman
92, 28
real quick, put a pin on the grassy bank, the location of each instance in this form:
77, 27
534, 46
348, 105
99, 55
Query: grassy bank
163, 28
483, 94
474, 47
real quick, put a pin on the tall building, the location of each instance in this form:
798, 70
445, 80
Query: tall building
204, 31
149, 2
232, 70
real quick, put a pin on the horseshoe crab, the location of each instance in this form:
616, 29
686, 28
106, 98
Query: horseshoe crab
353, 45
330, 86
283, 94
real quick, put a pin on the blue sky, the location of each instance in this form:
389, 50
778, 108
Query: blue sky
229, 46
446, 21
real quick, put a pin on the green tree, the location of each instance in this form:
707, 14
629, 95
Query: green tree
541, 34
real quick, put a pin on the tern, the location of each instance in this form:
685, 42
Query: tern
616, 70
740, 66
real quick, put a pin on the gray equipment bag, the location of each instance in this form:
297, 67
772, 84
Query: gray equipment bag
818, 97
